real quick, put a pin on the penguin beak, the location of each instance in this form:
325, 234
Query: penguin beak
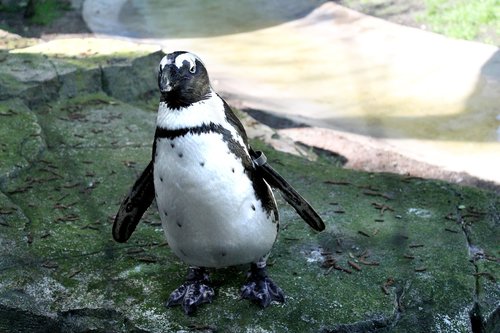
163, 82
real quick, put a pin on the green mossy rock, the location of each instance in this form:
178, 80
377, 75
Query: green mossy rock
399, 254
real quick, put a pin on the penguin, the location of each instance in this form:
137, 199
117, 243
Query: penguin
212, 190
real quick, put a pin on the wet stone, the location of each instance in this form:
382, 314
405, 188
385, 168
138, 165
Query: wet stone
65, 169
22, 138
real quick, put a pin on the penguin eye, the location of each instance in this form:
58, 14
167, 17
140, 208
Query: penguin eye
192, 69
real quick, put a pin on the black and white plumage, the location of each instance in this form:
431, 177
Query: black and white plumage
212, 190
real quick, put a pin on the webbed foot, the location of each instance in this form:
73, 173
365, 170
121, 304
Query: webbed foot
260, 289
192, 293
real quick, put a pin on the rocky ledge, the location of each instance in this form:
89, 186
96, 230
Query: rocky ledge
399, 254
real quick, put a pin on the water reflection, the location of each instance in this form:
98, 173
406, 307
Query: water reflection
202, 18
431, 97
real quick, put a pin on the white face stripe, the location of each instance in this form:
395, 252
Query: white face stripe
189, 57
164, 62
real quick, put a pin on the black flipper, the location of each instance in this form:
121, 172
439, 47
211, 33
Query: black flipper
134, 205
274, 179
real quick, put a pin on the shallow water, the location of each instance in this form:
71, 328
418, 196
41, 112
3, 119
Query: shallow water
430, 97
202, 18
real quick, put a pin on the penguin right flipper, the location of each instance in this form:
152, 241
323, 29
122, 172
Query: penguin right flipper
273, 178
134, 205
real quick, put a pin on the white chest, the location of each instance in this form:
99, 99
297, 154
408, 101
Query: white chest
209, 210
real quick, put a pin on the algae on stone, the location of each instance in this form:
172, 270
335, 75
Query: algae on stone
21, 137
396, 254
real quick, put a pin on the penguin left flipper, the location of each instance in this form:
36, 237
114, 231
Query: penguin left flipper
134, 205
275, 180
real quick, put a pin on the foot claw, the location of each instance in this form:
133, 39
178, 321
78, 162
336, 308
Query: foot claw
192, 293
261, 289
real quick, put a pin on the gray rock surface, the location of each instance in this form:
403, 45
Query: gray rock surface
399, 254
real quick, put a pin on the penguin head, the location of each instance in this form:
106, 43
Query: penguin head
182, 79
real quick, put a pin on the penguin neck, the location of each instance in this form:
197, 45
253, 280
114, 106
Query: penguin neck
204, 112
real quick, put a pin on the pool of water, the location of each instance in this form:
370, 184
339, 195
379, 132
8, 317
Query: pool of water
196, 18
326, 66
